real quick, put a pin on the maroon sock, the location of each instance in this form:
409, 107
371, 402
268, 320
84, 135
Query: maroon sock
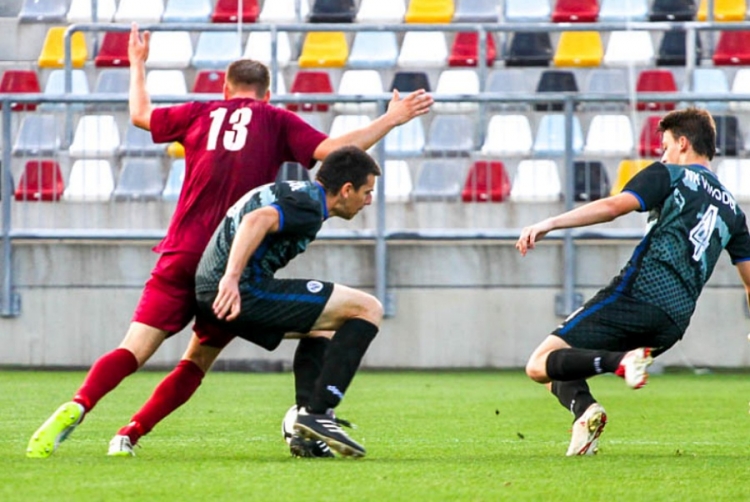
170, 394
106, 374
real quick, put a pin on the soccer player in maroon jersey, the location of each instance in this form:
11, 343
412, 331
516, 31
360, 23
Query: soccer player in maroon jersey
231, 146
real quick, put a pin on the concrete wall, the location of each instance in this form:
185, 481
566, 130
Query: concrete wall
458, 305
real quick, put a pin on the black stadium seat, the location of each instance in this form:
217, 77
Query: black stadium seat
529, 49
332, 11
672, 10
672, 49
555, 81
591, 180
728, 136
409, 81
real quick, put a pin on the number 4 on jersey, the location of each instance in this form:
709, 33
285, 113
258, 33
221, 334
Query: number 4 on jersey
700, 235
236, 138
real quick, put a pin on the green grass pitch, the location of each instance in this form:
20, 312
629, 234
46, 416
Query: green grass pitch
479, 436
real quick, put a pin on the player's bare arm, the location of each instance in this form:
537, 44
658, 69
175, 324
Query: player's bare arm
139, 100
743, 268
251, 232
600, 211
399, 112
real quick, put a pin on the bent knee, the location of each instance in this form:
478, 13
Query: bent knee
371, 309
536, 371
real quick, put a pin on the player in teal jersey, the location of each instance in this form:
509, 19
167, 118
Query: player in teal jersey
238, 296
647, 307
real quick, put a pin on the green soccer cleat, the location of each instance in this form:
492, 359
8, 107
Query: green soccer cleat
55, 430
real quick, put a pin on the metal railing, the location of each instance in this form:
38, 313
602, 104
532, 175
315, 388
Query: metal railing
9, 304
381, 235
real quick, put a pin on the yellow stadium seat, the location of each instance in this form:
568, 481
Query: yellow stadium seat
429, 11
724, 10
324, 49
579, 48
626, 170
176, 150
53, 51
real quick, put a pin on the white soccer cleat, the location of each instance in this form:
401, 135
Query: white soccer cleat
586, 431
120, 446
634, 367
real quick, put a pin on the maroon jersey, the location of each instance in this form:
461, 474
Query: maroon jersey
231, 147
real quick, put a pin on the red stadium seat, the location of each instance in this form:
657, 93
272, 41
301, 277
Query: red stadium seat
465, 50
575, 11
41, 180
487, 181
20, 81
733, 48
649, 145
114, 50
209, 81
655, 81
226, 11
310, 82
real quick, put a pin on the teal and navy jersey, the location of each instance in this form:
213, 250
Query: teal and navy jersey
693, 218
302, 209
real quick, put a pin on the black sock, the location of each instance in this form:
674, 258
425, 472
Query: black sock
308, 362
342, 359
576, 364
573, 395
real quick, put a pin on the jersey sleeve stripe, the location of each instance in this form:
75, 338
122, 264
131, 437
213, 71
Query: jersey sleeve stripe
281, 216
640, 200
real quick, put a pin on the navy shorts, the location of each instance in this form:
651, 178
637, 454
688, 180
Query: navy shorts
270, 309
611, 321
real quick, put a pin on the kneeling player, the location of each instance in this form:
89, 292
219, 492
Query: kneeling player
239, 296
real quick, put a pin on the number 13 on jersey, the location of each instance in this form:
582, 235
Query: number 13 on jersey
234, 139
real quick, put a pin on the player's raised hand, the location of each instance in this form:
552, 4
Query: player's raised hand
530, 236
227, 304
415, 104
137, 47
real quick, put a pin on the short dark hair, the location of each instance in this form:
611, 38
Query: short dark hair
348, 164
696, 125
249, 74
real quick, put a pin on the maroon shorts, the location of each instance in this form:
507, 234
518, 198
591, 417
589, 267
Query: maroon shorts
168, 299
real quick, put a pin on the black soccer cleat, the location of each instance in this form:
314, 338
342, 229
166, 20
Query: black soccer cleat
309, 448
325, 427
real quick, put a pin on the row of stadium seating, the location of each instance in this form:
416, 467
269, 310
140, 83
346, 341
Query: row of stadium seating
379, 11
174, 49
369, 82
446, 180
452, 135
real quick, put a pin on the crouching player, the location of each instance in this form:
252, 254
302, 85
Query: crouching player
238, 296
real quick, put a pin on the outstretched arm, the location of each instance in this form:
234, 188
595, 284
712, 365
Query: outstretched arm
399, 112
599, 211
251, 232
139, 100
743, 268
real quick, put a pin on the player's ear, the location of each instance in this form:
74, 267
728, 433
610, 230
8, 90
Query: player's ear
226, 90
267, 97
346, 189
684, 143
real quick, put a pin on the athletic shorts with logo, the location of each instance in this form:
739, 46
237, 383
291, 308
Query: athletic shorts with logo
270, 309
615, 322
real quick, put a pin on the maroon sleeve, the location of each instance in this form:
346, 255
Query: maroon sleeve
170, 123
301, 138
